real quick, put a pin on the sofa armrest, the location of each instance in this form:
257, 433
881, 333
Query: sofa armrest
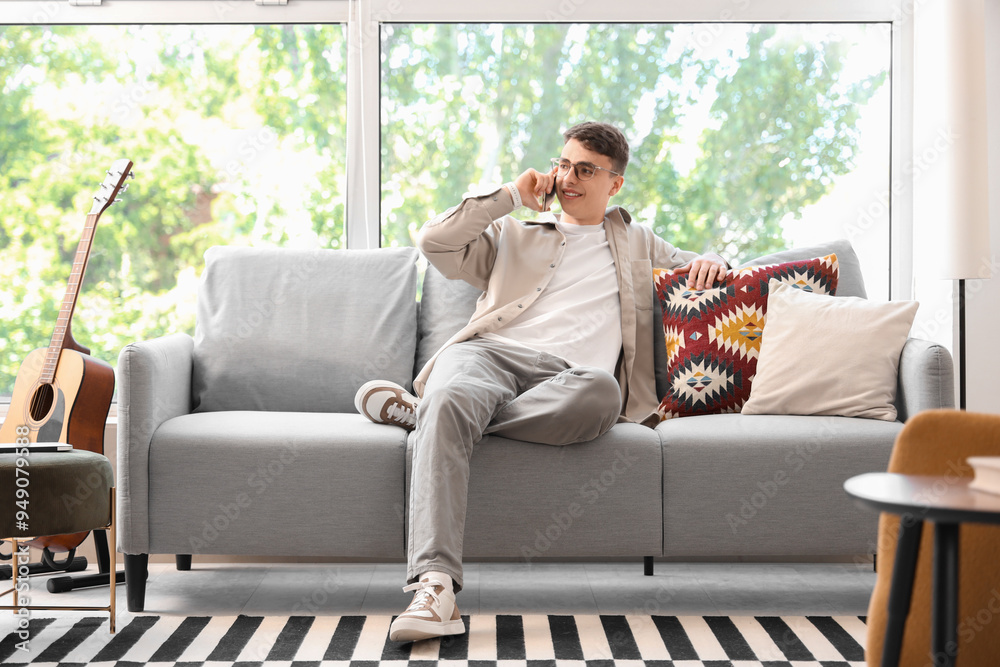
154, 385
926, 378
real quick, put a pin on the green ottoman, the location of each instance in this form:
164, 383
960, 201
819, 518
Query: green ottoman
54, 493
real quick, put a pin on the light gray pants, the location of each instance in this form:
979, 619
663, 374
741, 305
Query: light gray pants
481, 387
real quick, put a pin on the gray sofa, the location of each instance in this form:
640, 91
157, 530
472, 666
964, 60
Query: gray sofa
244, 440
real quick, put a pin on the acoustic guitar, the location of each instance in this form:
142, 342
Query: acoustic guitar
61, 393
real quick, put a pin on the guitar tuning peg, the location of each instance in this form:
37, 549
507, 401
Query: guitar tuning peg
117, 201
108, 172
124, 188
131, 174
96, 198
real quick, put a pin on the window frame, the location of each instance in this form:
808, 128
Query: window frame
364, 18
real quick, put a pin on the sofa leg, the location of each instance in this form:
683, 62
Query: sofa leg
136, 571
647, 566
183, 562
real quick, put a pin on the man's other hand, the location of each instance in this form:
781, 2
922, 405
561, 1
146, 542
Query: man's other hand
704, 271
533, 185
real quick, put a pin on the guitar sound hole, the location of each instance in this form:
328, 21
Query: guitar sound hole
41, 402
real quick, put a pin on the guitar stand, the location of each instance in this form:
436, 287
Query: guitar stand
47, 566
103, 576
71, 563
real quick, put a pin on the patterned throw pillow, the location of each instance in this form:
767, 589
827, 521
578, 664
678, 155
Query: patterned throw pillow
713, 336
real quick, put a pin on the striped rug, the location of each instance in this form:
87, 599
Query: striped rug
491, 641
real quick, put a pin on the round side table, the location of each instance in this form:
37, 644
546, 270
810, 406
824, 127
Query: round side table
947, 502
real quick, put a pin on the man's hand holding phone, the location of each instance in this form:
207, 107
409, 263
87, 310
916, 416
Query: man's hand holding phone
538, 189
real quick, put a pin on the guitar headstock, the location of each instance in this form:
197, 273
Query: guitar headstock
112, 185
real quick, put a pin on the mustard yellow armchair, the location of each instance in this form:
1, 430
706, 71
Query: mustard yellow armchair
938, 442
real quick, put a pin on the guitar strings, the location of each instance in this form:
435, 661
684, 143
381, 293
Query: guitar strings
34, 403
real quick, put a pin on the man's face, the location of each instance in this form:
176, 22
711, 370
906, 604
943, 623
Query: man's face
584, 202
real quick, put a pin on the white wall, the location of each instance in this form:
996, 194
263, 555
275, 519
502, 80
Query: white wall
983, 296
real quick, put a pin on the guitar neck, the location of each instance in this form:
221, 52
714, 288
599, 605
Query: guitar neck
61, 333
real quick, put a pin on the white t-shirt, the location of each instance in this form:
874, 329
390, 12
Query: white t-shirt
578, 315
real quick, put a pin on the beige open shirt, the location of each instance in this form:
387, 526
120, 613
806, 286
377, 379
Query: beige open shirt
513, 260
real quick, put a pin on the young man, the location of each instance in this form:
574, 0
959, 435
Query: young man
557, 351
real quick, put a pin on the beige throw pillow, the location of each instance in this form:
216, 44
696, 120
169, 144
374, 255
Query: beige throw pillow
823, 355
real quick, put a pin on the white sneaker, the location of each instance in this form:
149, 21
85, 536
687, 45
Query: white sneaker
432, 613
386, 402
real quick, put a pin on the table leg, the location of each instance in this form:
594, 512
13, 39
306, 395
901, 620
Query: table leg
901, 588
944, 611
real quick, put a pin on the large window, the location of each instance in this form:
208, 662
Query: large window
746, 138
238, 137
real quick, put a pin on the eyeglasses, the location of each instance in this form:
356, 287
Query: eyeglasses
584, 170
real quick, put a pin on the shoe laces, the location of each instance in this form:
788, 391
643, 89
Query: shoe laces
400, 413
425, 592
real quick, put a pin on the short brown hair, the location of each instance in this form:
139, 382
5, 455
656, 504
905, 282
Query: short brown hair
601, 138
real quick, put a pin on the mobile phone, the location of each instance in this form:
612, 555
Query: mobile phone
549, 197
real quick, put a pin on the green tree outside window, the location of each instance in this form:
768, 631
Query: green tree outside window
238, 134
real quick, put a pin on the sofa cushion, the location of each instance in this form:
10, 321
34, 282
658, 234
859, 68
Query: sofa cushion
763, 485
277, 483
301, 330
850, 347
712, 336
529, 501
445, 307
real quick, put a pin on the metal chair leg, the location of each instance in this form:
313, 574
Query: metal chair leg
901, 588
